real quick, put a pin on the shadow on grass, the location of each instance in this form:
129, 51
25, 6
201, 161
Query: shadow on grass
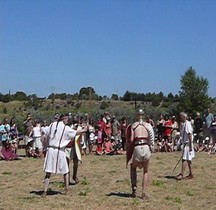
119, 194
168, 177
49, 192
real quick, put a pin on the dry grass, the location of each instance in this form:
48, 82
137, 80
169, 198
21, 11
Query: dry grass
105, 184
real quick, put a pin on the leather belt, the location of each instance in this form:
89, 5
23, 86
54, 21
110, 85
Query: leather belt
141, 142
53, 147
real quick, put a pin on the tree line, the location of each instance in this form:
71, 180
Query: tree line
192, 97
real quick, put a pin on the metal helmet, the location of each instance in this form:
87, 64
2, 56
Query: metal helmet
140, 112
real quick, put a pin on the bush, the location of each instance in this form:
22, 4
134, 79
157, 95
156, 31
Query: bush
104, 105
4, 110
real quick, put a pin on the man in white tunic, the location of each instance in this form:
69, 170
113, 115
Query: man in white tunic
60, 135
188, 149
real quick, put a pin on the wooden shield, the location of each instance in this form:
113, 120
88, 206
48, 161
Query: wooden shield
77, 147
130, 145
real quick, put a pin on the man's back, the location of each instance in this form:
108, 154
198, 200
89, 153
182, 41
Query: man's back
140, 130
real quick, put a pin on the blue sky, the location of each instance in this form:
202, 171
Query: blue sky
111, 45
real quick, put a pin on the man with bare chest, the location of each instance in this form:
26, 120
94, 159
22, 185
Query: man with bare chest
140, 144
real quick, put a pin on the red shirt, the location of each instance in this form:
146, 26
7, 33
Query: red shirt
102, 124
167, 127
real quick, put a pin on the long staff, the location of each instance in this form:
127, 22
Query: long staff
178, 162
182, 150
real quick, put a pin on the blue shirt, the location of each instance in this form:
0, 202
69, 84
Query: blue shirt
3, 129
208, 119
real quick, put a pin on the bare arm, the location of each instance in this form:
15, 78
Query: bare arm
132, 135
190, 141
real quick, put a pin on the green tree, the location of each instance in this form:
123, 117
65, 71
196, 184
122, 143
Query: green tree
194, 92
114, 97
20, 96
127, 96
88, 91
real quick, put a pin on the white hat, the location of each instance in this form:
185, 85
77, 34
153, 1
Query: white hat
177, 134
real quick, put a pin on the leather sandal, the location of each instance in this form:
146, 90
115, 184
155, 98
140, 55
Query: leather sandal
179, 176
133, 194
144, 196
189, 176
44, 194
66, 192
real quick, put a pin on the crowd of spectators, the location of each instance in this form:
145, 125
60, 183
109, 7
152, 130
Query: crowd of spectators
105, 136
204, 133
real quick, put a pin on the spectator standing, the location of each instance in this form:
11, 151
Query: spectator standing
149, 120
123, 126
7, 148
208, 118
213, 135
102, 124
108, 128
198, 131
115, 129
160, 123
14, 134
167, 129
91, 135
175, 129
83, 126
28, 134
4, 133
99, 148
1, 133
37, 143
45, 132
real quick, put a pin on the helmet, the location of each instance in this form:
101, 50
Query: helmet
140, 112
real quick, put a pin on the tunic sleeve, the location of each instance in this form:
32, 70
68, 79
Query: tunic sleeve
151, 134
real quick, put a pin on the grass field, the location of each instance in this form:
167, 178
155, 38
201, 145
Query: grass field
105, 185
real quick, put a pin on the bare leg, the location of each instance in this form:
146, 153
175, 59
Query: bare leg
145, 178
90, 149
84, 151
66, 182
75, 169
184, 163
27, 150
46, 184
189, 166
68, 162
165, 147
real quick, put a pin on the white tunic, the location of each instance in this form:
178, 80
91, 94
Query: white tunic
185, 131
55, 161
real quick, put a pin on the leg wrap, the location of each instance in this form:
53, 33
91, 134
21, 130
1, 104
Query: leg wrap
46, 184
133, 175
75, 168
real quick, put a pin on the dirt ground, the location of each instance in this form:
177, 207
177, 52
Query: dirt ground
105, 185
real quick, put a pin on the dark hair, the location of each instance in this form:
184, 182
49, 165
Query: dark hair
61, 117
12, 119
